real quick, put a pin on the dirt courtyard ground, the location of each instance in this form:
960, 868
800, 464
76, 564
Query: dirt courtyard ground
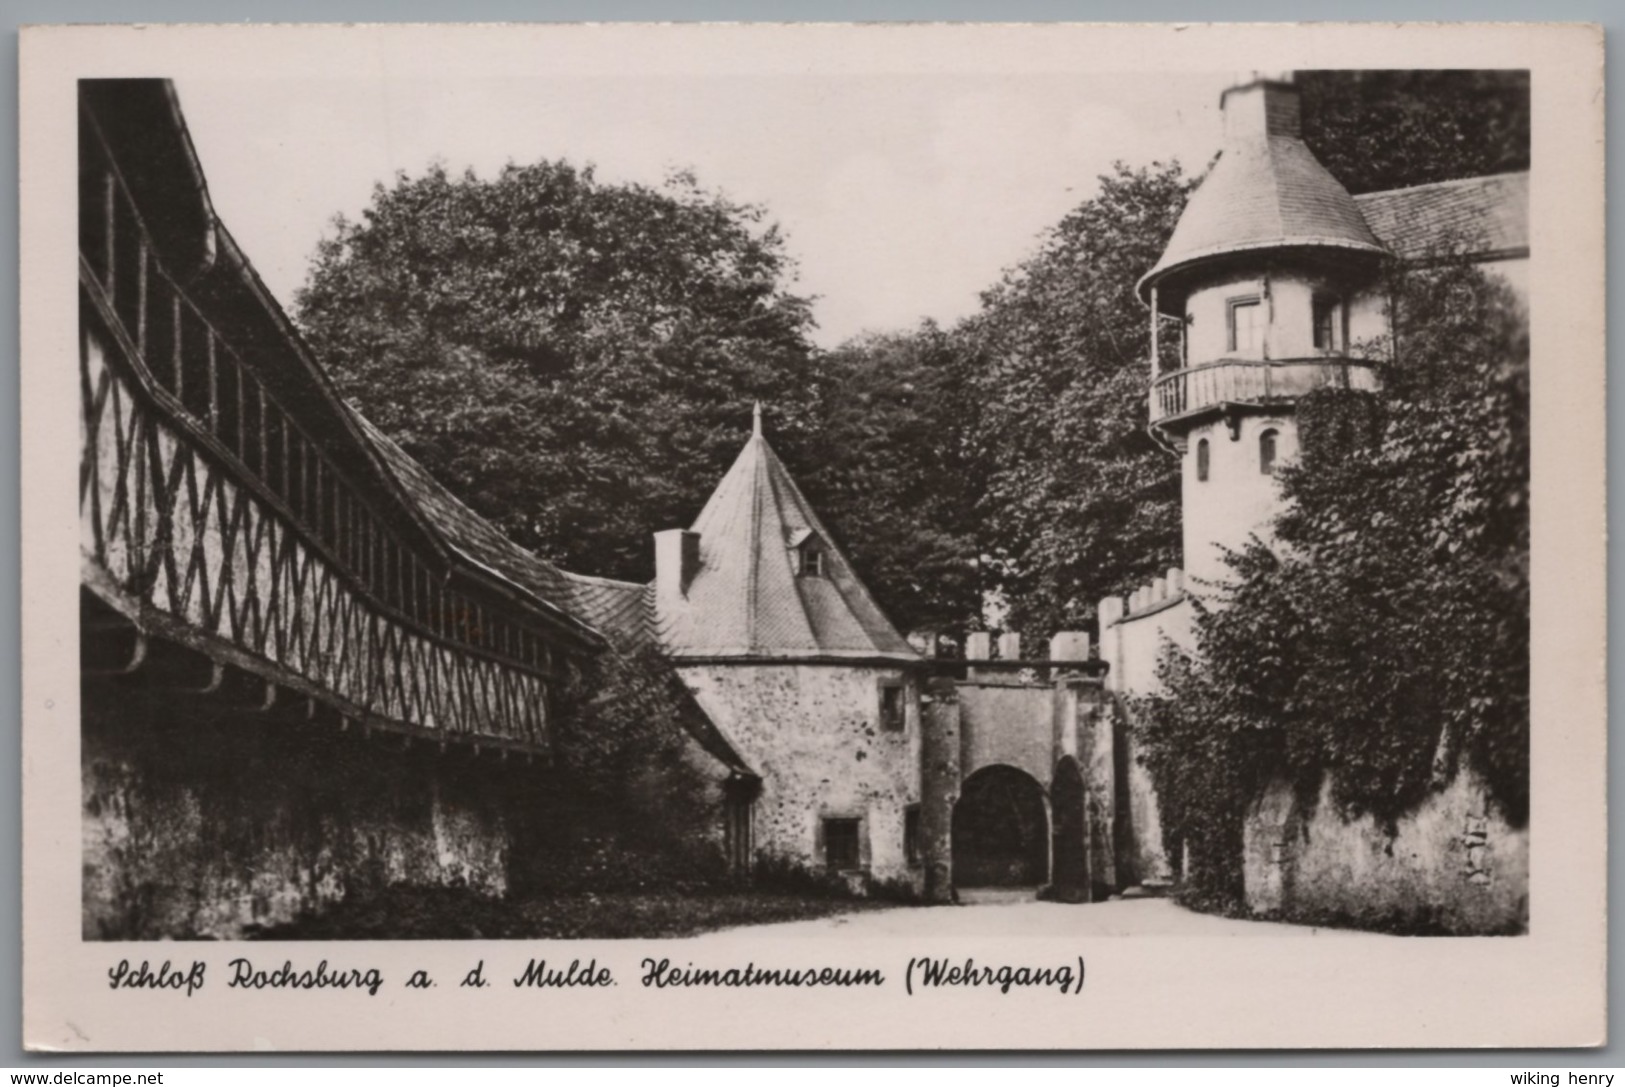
1126, 917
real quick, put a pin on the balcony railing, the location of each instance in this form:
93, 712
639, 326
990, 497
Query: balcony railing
1252, 381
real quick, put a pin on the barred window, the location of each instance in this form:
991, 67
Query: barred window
841, 844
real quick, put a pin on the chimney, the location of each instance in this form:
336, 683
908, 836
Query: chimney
677, 560
1263, 107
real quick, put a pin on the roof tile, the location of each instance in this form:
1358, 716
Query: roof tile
1482, 216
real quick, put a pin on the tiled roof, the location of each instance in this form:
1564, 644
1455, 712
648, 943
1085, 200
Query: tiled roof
1478, 216
622, 611
1264, 192
746, 599
468, 532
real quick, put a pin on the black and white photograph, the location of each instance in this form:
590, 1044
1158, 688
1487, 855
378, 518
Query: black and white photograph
608, 512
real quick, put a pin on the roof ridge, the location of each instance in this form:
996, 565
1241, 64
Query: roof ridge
594, 579
753, 558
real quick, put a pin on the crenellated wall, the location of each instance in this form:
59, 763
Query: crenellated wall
1048, 717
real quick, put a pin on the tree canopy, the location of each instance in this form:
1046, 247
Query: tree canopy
1388, 129
899, 471
1080, 501
1008, 455
576, 360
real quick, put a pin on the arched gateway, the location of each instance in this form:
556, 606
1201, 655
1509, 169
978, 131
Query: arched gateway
1001, 830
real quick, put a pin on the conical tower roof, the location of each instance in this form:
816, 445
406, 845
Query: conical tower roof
1267, 191
746, 599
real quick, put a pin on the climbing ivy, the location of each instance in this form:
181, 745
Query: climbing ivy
1381, 636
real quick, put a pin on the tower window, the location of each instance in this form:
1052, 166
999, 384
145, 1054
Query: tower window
1246, 325
1266, 451
841, 844
1328, 318
911, 834
1202, 461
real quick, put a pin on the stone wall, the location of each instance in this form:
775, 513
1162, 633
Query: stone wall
1452, 865
1133, 633
940, 775
199, 822
1008, 723
813, 733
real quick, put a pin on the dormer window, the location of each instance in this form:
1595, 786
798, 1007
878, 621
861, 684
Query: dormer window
1328, 318
809, 562
807, 552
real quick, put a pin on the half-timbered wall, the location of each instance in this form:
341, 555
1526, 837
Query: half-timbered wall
211, 516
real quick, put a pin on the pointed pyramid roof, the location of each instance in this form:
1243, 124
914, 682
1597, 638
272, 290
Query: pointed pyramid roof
746, 599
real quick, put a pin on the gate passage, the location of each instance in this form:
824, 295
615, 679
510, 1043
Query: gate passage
1001, 830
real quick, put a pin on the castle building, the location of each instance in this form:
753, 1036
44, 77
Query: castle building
1269, 289
1269, 279
788, 655
308, 670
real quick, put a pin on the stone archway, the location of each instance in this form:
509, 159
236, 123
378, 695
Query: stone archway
1000, 830
1070, 879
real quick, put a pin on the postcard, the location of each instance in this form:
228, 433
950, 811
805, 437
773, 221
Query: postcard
667, 537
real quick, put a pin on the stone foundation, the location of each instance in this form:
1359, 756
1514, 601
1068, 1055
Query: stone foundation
207, 823
1451, 866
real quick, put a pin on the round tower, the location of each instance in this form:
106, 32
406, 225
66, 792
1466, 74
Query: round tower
1267, 290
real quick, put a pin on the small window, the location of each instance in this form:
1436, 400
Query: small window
841, 844
892, 707
911, 834
737, 831
1328, 316
1266, 452
809, 562
1246, 325
1201, 461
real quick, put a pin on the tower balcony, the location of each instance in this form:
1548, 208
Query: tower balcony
1197, 390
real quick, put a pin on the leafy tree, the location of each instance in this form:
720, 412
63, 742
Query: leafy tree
1387, 129
574, 359
898, 471
1080, 500
1382, 636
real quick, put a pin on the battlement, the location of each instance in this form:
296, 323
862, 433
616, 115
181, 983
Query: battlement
1156, 595
987, 658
